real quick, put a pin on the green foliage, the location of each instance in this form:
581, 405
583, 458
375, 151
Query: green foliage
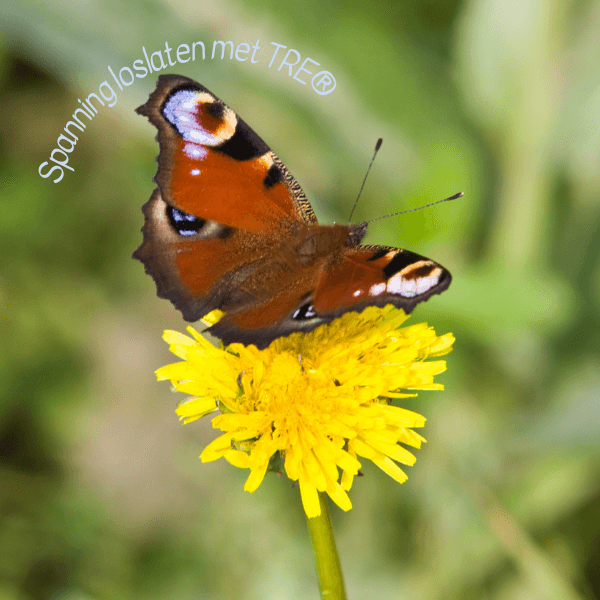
101, 493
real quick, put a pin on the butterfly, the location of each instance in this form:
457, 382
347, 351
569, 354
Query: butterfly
229, 227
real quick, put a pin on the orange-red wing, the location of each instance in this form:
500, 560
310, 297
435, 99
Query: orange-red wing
361, 276
377, 276
213, 166
195, 269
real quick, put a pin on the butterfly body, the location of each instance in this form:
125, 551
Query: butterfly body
228, 227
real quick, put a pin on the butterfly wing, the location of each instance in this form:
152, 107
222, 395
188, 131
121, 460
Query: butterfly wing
223, 197
378, 276
358, 277
229, 227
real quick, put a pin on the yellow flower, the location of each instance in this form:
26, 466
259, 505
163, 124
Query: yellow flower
320, 401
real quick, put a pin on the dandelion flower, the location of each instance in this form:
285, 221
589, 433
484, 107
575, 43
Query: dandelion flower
319, 401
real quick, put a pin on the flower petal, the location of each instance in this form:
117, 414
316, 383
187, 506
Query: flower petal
310, 499
319, 400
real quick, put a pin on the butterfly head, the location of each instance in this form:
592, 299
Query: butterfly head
356, 233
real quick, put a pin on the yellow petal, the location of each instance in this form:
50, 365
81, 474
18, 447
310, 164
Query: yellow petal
195, 407
238, 459
255, 478
390, 468
216, 448
339, 496
310, 499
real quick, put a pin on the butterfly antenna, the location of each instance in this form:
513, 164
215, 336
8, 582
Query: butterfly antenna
377, 146
403, 212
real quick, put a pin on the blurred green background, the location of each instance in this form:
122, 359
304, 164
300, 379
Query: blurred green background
101, 492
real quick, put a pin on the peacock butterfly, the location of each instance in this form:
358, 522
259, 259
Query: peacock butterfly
229, 227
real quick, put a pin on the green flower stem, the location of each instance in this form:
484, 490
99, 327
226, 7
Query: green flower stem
328, 563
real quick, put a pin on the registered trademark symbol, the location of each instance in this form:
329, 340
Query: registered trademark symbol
323, 83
